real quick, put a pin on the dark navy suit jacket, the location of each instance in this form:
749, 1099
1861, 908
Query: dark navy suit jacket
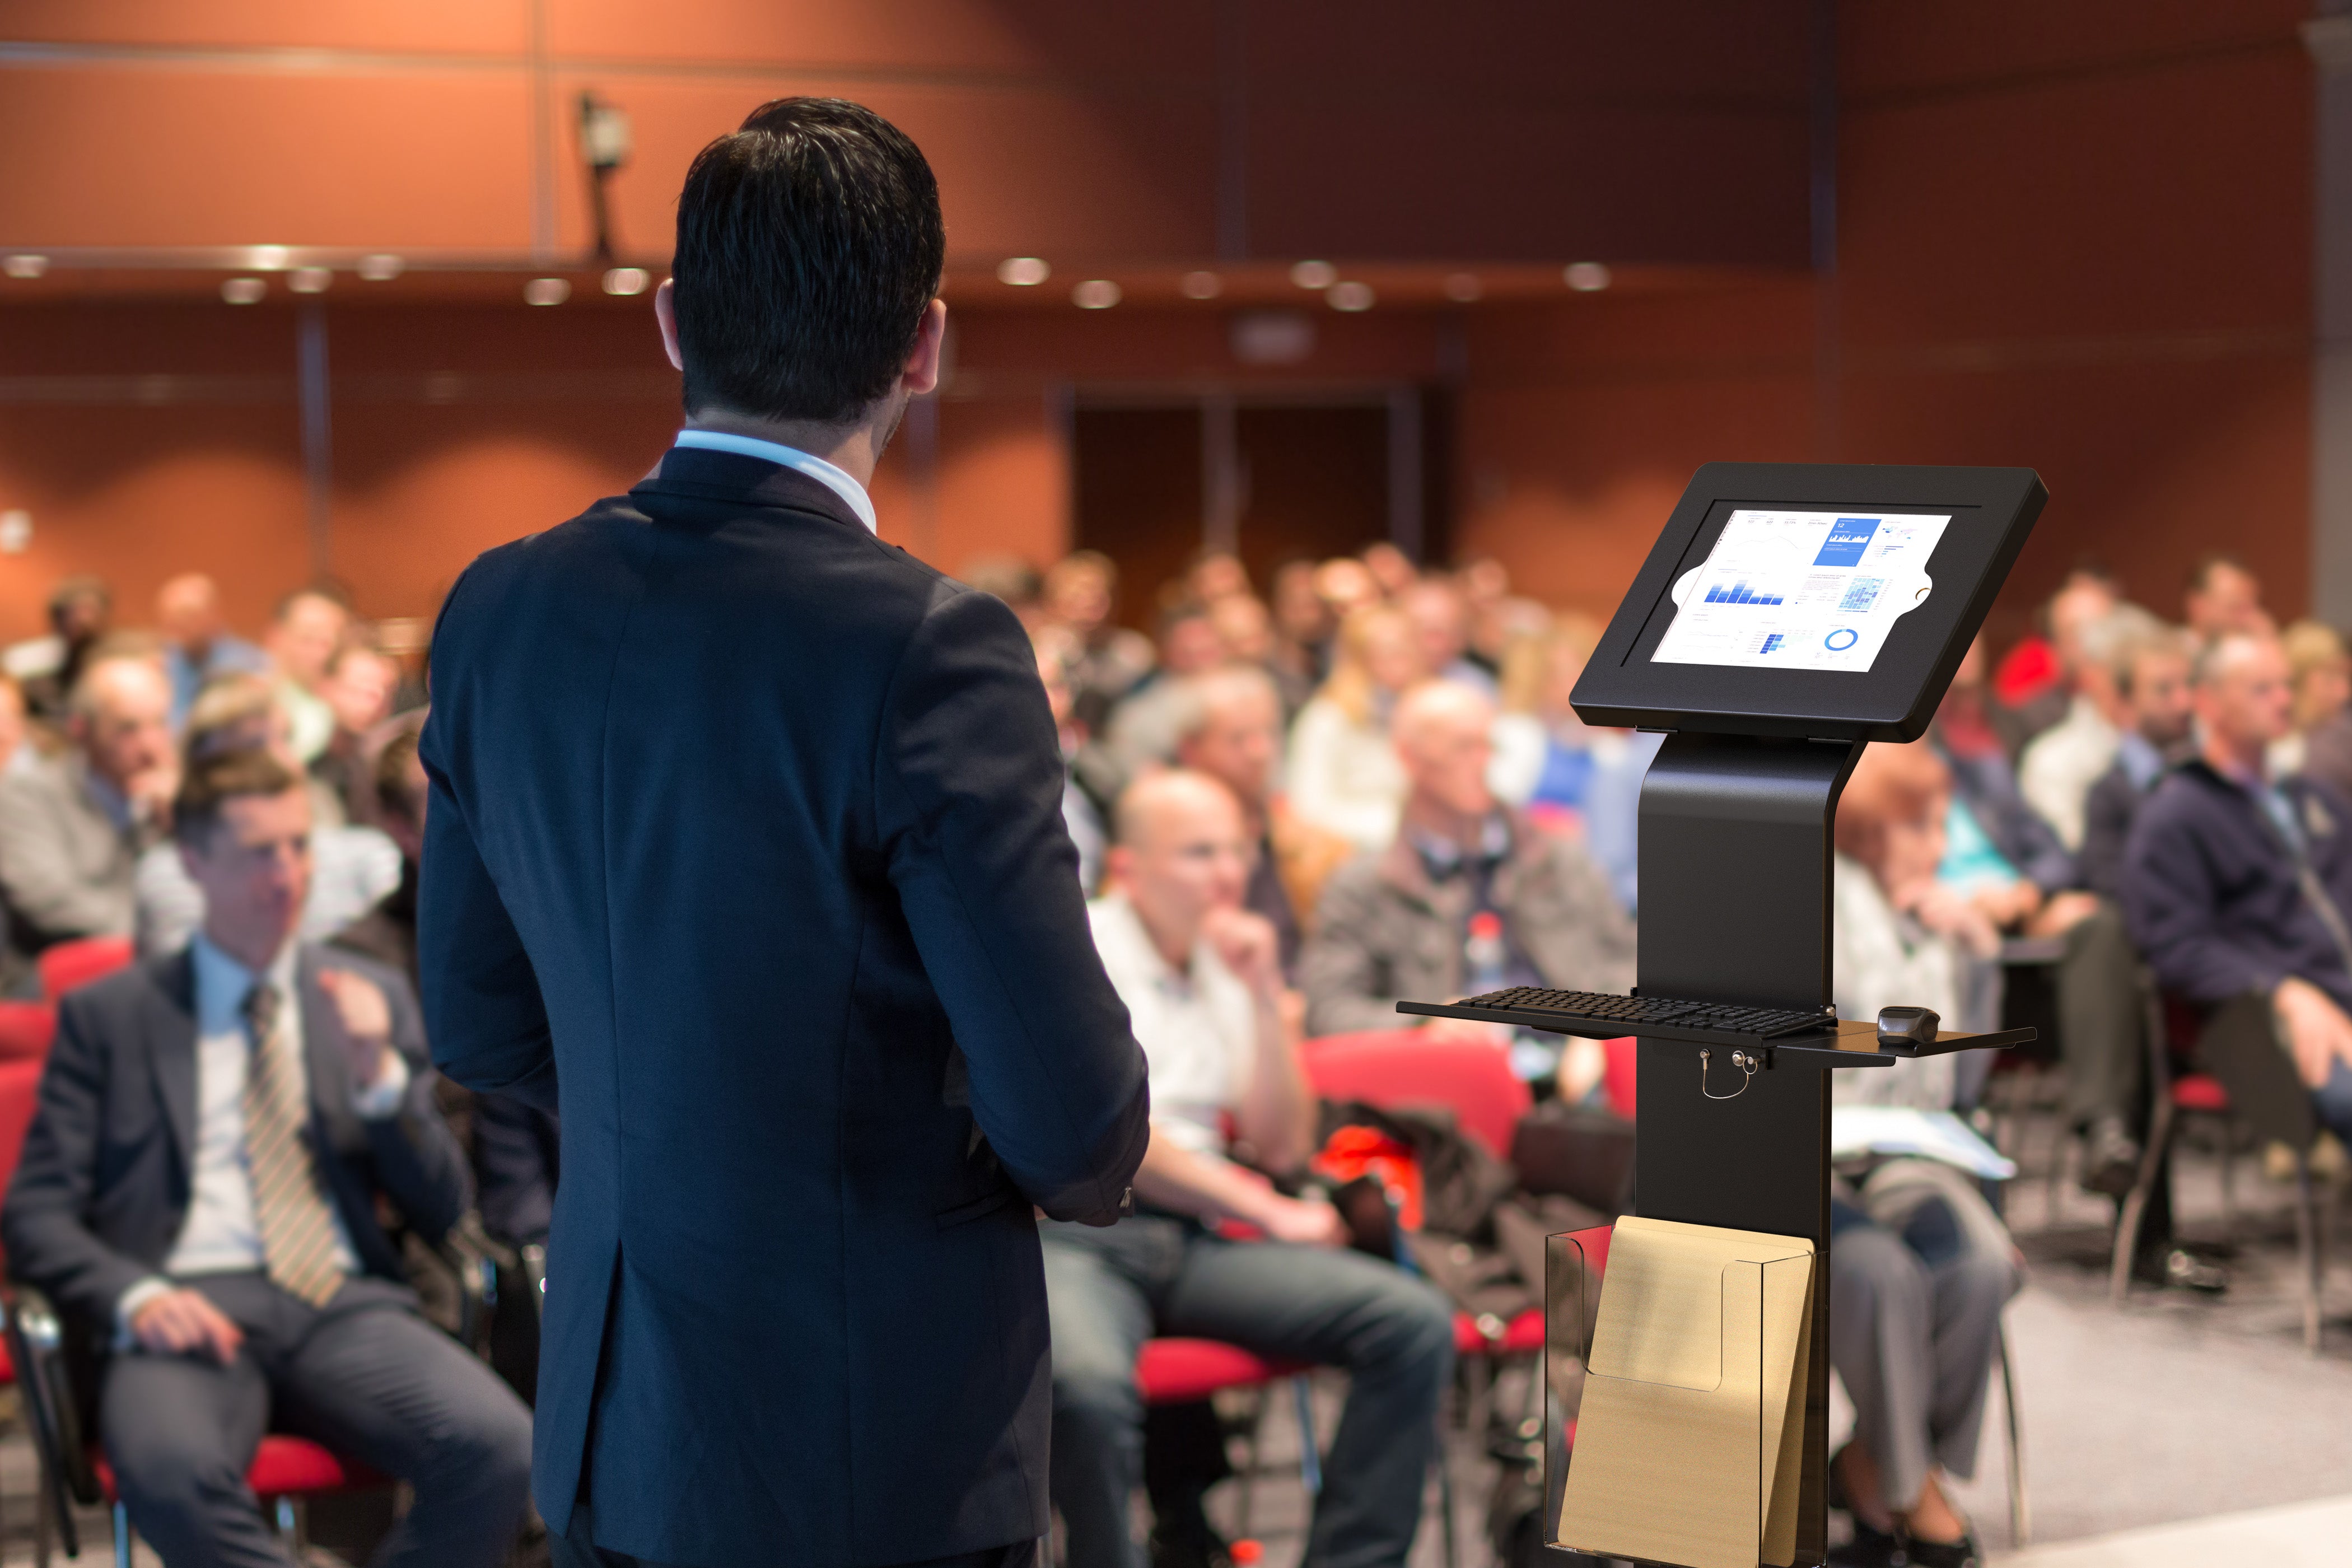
746, 830
103, 1189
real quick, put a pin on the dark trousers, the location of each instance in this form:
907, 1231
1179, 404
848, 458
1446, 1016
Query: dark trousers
2102, 1022
1108, 1290
366, 1377
577, 1548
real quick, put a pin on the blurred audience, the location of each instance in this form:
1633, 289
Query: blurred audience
1568, 776
1082, 812
72, 828
17, 753
1202, 979
1231, 730
1920, 1266
1397, 924
359, 687
2223, 596
2236, 884
2320, 674
2033, 686
2059, 765
81, 611
198, 647
2151, 678
1441, 624
1343, 774
306, 634
1303, 625
1142, 732
1081, 591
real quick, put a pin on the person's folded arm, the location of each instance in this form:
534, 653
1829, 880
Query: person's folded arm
483, 1010
968, 793
45, 1223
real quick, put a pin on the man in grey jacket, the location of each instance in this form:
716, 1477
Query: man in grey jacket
71, 829
1397, 925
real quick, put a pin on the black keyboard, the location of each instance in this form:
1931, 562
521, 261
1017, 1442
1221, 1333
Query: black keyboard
1590, 1008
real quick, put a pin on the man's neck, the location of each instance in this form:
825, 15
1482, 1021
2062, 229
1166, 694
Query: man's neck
2245, 765
854, 449
1462, 830
1171, 941
256, 954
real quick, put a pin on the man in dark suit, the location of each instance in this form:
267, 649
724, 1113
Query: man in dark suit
746, 828
201, 1183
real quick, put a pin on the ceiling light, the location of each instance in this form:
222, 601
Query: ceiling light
243, 290
1314, 275
1023, 271
380, 269
1350, 296
1463, 287
1095, 294
310, 280
267, 258
1200, 285
1587, 277
547, 292
625, 280
27, 265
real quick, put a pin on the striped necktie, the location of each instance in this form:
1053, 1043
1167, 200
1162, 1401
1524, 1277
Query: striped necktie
298, 1231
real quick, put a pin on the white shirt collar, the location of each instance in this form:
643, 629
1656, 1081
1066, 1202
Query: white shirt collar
815, 467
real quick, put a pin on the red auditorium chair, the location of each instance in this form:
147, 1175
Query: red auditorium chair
72, 964
1393, 1068
26, 1030
1176, 1371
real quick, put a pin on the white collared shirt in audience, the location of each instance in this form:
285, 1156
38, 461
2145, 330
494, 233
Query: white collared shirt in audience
1344, 776
2061, 764
1198, 1029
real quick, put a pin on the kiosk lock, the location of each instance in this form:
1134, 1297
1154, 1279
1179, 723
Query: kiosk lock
1746, 1061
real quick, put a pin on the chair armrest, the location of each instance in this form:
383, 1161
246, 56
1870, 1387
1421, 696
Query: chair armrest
36, 1343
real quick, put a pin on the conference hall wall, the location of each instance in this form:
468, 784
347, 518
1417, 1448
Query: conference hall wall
2080, 241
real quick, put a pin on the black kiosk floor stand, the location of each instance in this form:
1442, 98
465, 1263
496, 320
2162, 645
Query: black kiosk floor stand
1779, 675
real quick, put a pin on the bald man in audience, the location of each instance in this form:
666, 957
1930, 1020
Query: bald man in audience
1396, 925
1230, 727
72, 828
1202, 979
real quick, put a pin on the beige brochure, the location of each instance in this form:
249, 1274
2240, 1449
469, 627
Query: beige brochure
1689, 1438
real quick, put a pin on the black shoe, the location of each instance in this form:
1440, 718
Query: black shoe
1960, 1554
2179, 1269
2110, 1158
1868, 1548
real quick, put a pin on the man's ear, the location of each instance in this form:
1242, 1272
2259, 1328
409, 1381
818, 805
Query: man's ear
665, 314
922, 371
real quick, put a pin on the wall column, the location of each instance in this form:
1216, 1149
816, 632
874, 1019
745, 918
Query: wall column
2330, 38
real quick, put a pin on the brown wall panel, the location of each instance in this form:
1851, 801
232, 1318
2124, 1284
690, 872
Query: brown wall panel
436, 26
1910, 45
961, 37
148, 158
1022, 171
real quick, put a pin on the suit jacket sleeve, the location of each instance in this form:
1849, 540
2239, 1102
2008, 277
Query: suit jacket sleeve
483, 1012
37, 872
968, 792
417, 1161
45, 1221
1345, 979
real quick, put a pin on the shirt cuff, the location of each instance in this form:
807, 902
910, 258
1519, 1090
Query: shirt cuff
382, 1099
127, 1306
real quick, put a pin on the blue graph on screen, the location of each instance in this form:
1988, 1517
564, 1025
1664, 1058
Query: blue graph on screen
1740, 594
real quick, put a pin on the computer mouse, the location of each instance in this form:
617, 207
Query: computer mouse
1907, 1028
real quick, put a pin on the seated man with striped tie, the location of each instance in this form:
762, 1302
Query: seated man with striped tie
201, 1182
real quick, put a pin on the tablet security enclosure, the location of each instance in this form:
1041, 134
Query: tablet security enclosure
1809, 600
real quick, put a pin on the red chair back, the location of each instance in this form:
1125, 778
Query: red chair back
26, 1030
73, 963
1396, 1068
20, 1087
1622, 1059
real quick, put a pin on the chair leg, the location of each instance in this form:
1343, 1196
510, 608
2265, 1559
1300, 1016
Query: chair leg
2135, 1209
2306, 1238
121, 1536
1310, 1459
2020, 1519
44, 1526
2228, 1184
1249, 1466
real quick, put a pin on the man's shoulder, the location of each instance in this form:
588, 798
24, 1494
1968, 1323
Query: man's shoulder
119, 1000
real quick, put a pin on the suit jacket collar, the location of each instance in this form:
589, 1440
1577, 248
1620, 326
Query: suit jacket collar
690, 474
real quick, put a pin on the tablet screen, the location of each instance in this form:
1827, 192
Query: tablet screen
1786, 589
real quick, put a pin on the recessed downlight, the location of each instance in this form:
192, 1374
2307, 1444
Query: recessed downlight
1587, 277
1095, 294
1023, 271
1314, 274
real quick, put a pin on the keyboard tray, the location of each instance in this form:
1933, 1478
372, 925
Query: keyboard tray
1854, 1043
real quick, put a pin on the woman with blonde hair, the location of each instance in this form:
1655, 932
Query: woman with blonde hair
1570, 777
1343, 773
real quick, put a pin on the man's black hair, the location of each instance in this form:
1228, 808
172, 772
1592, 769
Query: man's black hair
809, 245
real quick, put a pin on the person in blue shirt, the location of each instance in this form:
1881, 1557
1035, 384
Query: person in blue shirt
198, 644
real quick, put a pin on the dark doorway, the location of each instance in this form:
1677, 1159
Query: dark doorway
1310, 479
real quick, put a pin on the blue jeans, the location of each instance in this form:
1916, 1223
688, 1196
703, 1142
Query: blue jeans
1108, 1290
